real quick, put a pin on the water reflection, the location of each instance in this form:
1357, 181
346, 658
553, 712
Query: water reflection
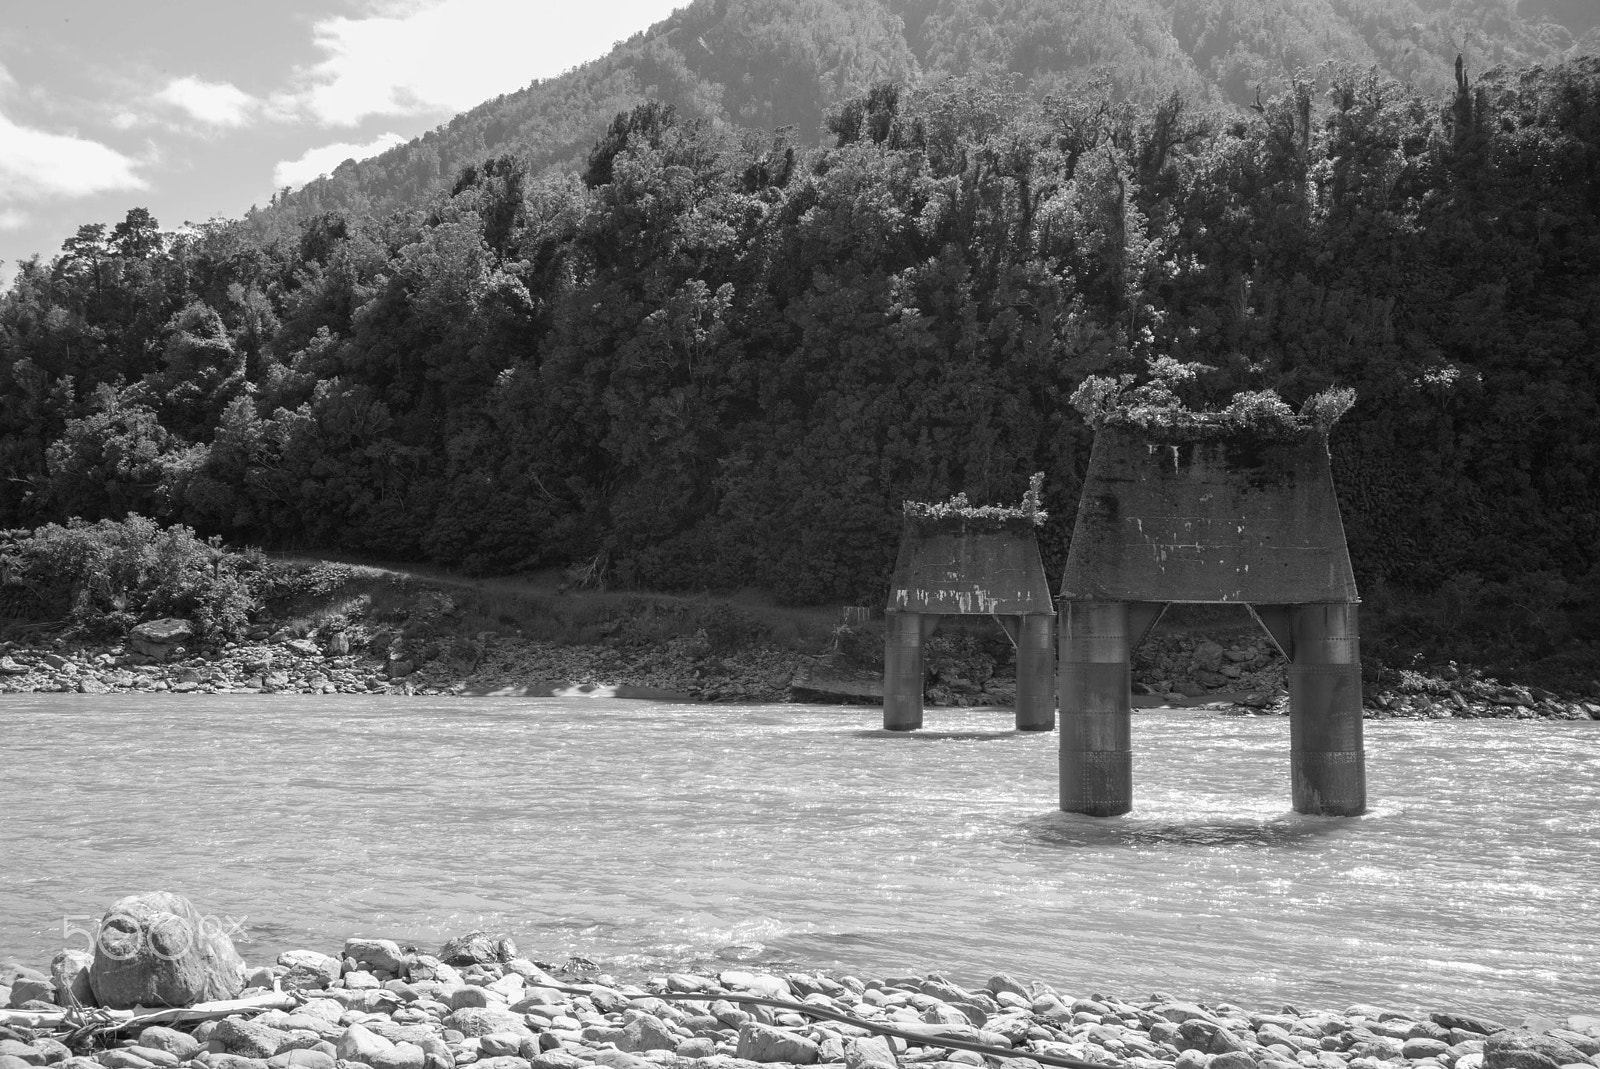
1074, 830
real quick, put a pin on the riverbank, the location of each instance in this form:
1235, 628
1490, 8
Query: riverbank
326, 627
479, 1002
1174, 670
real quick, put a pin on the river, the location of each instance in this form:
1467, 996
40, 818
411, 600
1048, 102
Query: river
650, 836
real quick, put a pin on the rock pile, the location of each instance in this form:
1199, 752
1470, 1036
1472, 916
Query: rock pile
1182, 666
379, 1006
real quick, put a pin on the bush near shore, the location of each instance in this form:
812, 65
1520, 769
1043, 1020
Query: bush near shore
132, 606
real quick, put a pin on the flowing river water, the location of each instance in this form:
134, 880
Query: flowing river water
649, 836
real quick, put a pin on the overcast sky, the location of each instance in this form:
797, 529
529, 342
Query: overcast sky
201, 108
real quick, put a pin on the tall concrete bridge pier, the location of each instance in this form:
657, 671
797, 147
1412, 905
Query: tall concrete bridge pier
1229, 519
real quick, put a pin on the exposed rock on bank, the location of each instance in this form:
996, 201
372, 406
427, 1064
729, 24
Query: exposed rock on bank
378, 1005
163, 656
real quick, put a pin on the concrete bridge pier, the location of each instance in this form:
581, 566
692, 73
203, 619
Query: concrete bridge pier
1096, 708
1036, 673
1327, 754
903, 671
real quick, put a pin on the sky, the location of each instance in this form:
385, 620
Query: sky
201, 108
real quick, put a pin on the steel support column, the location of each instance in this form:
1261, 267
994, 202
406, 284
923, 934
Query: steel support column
1036, 673
902, 671
1096, 708
1328, 760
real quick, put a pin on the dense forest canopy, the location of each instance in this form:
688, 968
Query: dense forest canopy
705, 357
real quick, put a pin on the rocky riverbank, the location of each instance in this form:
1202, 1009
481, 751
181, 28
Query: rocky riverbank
378, 1005
1229, 674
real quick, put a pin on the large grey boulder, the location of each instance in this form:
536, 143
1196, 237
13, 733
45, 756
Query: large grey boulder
158, 950
159, 638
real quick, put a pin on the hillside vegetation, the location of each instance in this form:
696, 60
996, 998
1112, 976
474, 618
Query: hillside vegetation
774, 64
713, 359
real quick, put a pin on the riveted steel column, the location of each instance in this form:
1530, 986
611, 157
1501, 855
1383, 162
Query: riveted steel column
1036, 673
902, 671
1096, 709
1327, 757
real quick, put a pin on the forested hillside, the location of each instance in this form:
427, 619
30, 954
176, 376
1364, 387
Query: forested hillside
767, 64
715, 360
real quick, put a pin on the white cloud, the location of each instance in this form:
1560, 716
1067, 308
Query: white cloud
35, 165
449, 55
320, 161
213, 103
11, 219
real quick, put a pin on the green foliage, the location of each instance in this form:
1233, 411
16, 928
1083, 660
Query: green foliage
1157, 410
110, 575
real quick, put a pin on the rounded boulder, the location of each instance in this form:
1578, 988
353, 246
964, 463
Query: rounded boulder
158, 950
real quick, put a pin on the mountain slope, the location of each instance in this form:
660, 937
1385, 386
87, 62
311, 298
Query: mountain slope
767, 64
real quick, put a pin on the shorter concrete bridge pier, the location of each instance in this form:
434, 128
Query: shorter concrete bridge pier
969, 568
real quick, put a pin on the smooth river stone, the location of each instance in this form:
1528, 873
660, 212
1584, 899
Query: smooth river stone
1421, 1047
302, 1059
382, 954
308, 969
764, 1043
1518, 1048
482, 1021
248, 1039
122, 1058
645, 1032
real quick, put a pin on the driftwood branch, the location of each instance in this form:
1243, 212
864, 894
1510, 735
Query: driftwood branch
140, 1016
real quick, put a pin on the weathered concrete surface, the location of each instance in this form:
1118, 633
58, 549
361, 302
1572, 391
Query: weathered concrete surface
1212, 521
1096, 709
973, 572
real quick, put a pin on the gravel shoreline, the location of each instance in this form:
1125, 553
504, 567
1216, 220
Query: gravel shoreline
379, 1005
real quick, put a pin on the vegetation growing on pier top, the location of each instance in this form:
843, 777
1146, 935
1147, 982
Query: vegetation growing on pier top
958, 514
1156, 408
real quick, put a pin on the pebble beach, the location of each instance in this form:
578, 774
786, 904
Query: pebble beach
378, 1005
